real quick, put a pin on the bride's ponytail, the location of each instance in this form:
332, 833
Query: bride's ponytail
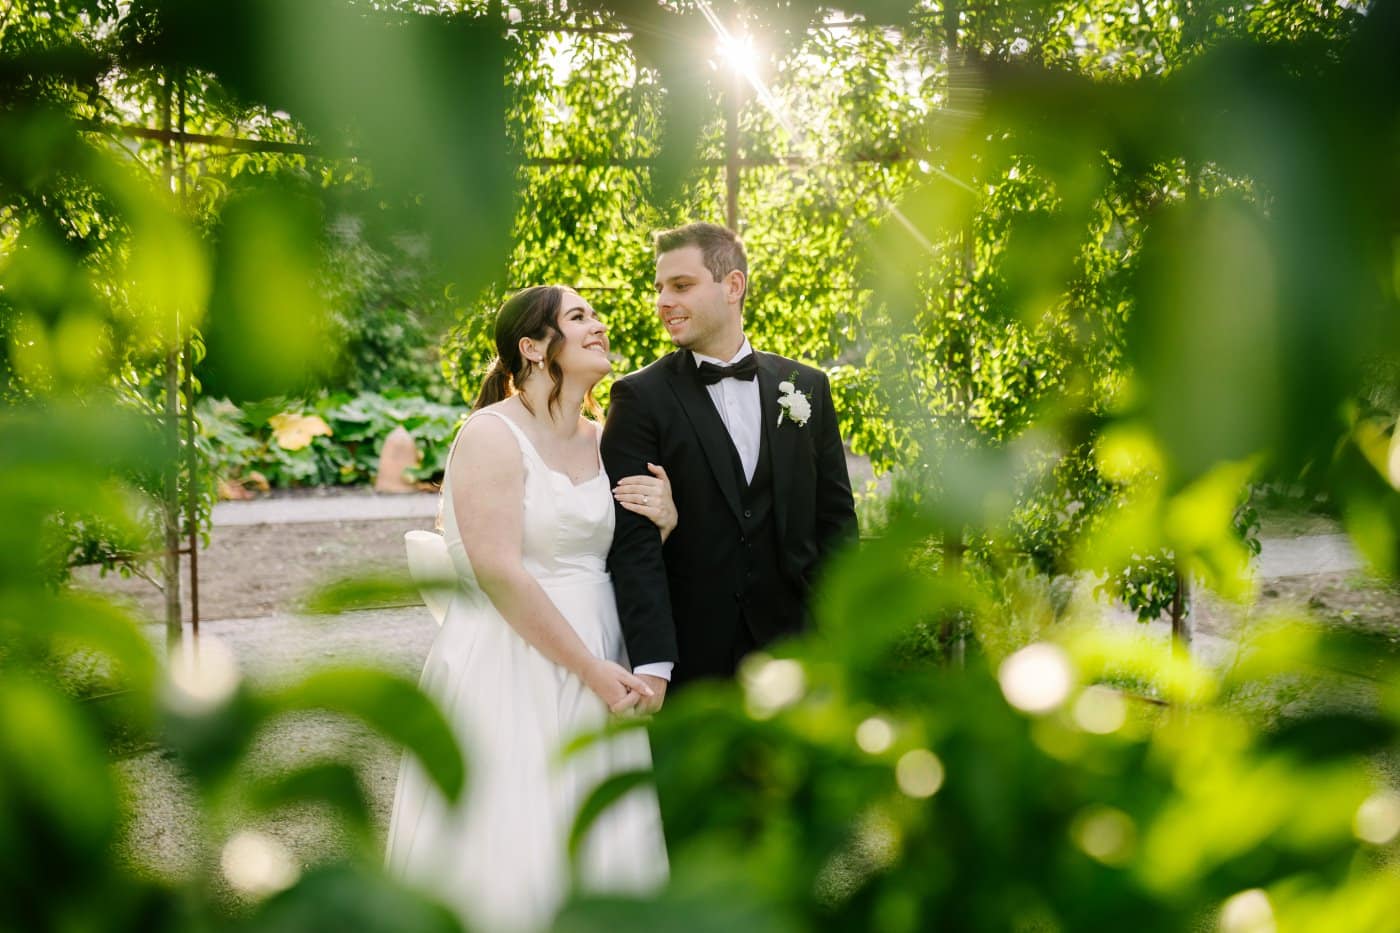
531, 312
495, 386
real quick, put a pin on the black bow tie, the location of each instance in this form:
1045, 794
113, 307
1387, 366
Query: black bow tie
745, 369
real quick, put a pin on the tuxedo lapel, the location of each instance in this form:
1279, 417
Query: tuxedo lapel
714, 439
780, 438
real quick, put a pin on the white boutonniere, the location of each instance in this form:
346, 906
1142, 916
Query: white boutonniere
793, 404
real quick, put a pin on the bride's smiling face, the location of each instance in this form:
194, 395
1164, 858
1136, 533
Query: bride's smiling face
585, 338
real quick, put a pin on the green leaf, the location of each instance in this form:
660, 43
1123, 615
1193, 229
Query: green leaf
268, 332
391, 705
603, 796
725, 906
363, 592
213, 743
1333, 735
54, 776
616, 726
346, 897
329, 782
97, 624
1204, 336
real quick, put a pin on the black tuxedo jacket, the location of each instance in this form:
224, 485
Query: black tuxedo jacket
679, 603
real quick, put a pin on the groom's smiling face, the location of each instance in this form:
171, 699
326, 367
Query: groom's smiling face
699, 313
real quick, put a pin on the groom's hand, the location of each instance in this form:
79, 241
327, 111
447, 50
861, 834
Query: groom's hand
647, 705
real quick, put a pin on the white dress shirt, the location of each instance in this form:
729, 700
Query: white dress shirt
737, 402
739, 407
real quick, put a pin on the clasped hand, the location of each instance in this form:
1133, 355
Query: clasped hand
615, 685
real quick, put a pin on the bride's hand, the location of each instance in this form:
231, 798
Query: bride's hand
650, 497
615, 685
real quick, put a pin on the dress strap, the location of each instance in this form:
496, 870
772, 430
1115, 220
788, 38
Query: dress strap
525, 445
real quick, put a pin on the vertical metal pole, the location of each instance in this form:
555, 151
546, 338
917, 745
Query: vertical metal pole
170, 499
192, 499
731, 149
191, 450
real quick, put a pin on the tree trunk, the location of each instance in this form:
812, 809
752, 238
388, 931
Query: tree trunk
1181, 615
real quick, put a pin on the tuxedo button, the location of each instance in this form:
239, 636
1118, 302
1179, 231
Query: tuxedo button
748, 513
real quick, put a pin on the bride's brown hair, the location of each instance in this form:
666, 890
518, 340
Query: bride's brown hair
531, 312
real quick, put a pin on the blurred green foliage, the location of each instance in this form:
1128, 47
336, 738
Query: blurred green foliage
61, 799
1082, 271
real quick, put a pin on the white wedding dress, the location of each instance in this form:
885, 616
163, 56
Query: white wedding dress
499, 856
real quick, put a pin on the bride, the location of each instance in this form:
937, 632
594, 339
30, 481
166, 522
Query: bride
530, 653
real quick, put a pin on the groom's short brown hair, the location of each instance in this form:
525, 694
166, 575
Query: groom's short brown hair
720, 247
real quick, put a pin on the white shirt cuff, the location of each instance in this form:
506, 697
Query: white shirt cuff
660, 669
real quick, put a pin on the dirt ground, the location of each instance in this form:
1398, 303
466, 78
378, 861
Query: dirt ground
249, 571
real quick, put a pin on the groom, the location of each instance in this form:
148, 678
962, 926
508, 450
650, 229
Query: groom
751, 446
